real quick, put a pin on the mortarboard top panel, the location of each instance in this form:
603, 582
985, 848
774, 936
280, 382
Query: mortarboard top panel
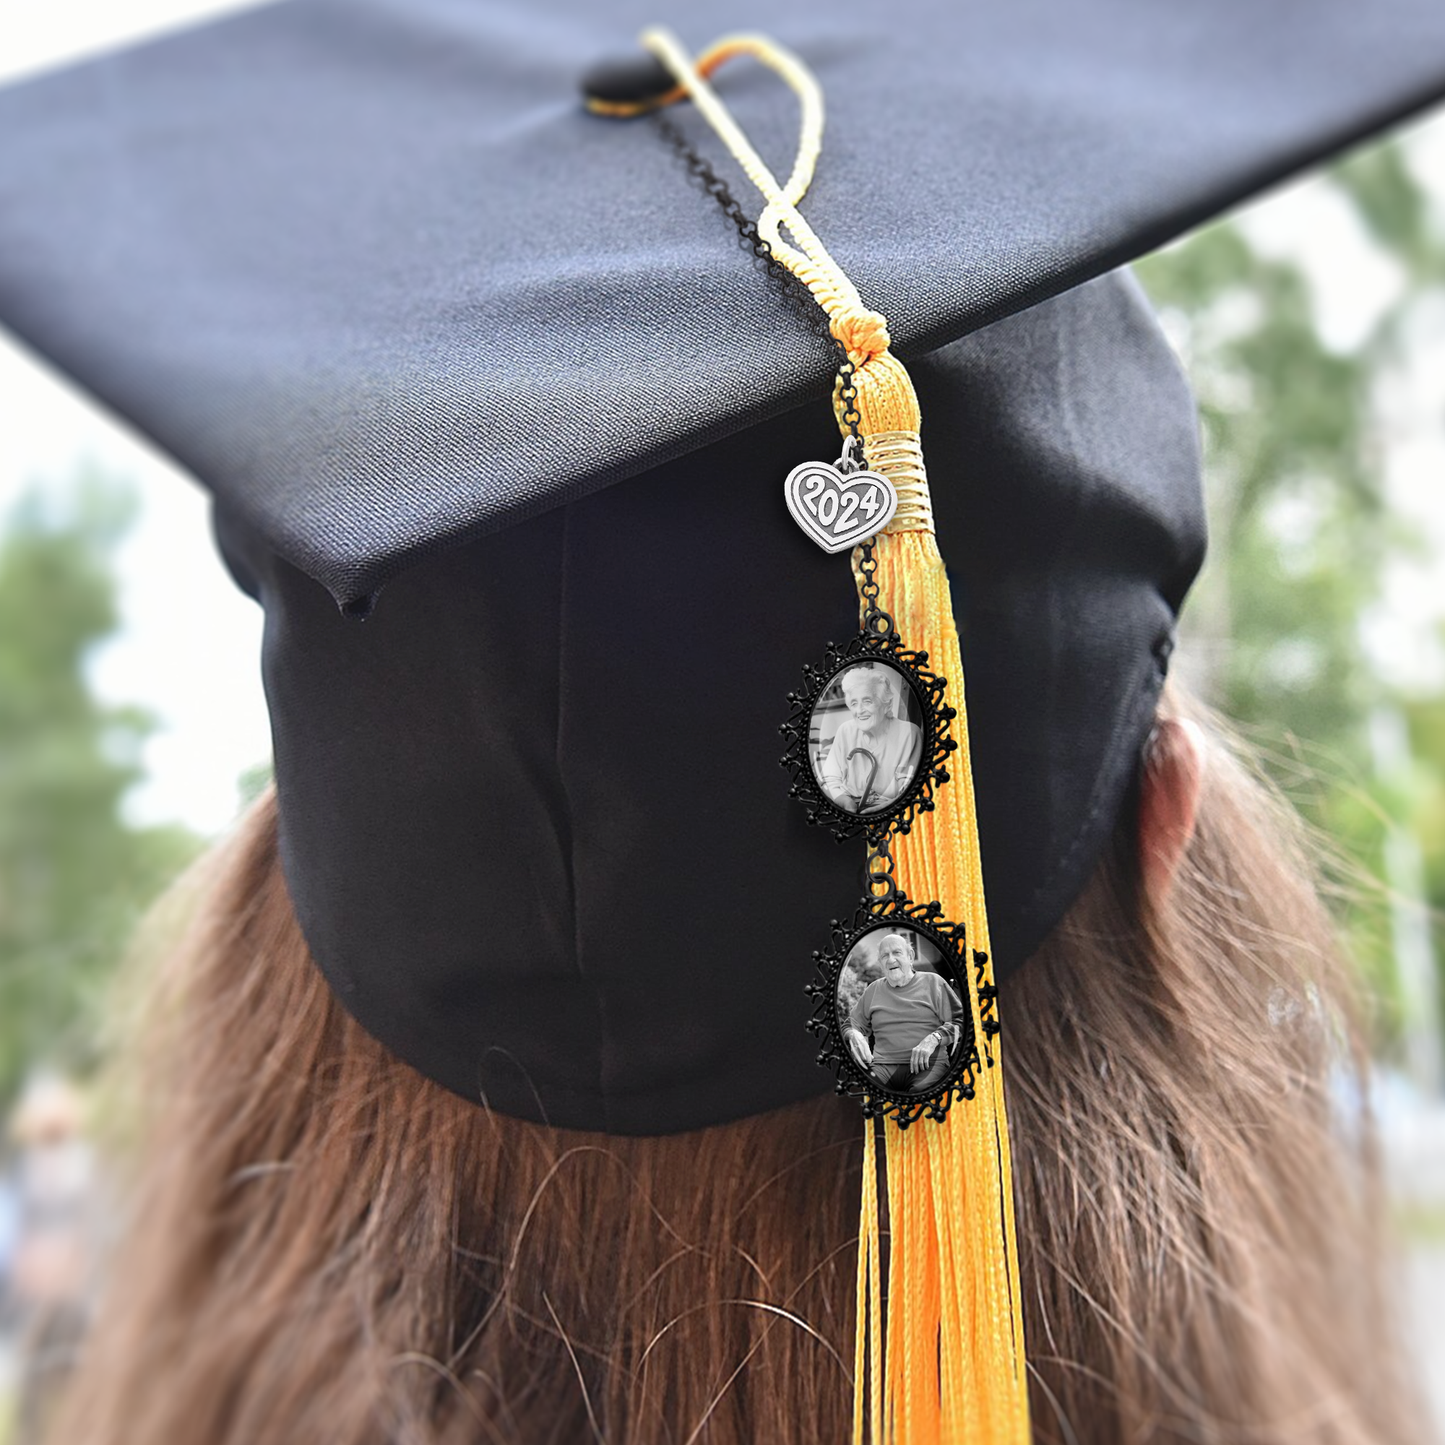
370, 271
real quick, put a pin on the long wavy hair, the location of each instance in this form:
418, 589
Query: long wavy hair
324, 1248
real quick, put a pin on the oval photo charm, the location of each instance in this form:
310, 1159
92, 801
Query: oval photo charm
893, 1010
868, 737
839, 509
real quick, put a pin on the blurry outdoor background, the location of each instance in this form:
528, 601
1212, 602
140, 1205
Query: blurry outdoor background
132, 727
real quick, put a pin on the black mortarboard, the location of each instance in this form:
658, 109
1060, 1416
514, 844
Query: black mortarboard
420, 322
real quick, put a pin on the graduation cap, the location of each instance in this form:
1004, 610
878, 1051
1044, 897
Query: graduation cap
459, 358
495, 416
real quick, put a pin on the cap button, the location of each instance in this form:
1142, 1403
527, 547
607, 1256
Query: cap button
627, 86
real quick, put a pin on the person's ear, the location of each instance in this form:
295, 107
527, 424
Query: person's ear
1169, 802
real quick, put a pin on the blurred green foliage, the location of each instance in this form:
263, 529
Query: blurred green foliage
1302, 534
74, 876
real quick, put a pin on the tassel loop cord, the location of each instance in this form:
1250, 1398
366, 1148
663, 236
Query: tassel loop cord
862, 330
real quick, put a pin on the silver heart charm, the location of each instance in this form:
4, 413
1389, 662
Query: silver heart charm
839, 508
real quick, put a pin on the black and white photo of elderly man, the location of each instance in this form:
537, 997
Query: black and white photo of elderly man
875, 752
903, 1026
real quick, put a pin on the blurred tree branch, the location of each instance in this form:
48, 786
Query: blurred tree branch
74, 876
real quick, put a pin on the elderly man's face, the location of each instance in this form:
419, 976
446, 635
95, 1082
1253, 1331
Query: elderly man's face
895, 960
867, 699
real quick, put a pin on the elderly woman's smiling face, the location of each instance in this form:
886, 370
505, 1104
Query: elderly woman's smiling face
895, 960
866, 695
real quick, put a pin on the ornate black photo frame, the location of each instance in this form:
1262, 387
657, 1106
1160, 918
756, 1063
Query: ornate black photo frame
877, 644
964, 970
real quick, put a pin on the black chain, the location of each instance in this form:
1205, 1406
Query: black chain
875, 877
701, 169
868, 567
876, 621
848, 393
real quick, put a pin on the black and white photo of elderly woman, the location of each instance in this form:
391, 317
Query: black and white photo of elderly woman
875, 752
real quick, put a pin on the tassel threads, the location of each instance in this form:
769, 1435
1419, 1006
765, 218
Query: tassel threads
954, 1333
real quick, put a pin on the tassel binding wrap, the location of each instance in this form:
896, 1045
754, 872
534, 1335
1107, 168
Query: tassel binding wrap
947, 1364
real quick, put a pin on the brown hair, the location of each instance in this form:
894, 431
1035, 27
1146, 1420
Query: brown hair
326, 1247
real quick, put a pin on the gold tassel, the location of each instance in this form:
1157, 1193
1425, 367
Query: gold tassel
954, 1332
